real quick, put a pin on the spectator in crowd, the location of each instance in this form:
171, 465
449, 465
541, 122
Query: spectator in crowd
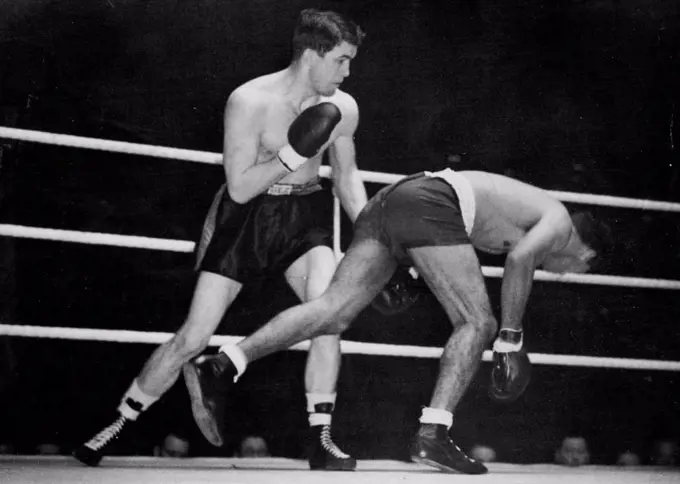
628, 459
172, 446
483, 453
573, 452
665, 453
253, 446
6, 449
48, 448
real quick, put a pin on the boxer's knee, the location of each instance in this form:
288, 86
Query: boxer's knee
334, 317
488, 326
188, 344
485, 323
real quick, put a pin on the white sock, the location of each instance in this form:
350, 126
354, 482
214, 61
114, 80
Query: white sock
319, 418
503, 346
135, 401
314, 398
237, 357
436, 416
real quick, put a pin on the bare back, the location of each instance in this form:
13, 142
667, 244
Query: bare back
277, 112
506, 209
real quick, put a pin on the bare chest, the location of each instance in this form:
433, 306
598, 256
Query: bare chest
497, 230
496, 237
274, 133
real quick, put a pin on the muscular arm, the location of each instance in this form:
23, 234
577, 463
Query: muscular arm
347, 182
245, 177
548, 235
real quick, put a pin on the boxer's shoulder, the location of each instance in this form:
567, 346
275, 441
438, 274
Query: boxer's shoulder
344, 101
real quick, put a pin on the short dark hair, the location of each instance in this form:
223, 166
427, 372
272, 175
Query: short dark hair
322, 31
595, 234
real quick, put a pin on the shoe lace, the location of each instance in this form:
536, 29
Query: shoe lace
328, 444
107, 434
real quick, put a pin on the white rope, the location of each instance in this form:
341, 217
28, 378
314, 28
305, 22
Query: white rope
108, 145
348, 347
216, 158
96, 238
594, 279
132, 241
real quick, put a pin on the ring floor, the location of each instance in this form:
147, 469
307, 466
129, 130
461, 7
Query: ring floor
152, 470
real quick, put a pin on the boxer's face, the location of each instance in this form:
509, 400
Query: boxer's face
327, 72
566, 263
575, 257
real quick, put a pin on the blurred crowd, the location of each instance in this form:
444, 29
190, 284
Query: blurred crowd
573, 451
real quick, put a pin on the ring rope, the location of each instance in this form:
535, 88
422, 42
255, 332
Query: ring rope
134, 241
96, 238
216, 158
348, 347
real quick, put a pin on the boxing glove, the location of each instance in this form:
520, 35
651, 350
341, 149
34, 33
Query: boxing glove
308, 133
400, 293
511, 370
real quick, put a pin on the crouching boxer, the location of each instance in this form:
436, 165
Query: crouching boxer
433, 222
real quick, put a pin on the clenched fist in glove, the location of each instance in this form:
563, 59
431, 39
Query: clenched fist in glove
399, 294
511, 370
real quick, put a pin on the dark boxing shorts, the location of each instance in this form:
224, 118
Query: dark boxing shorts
263, 237
421, 210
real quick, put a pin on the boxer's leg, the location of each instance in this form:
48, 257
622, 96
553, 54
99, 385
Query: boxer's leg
309, 277
454, 275
362, 273
212, 296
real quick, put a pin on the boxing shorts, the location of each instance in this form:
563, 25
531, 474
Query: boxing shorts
263, 237
422, 210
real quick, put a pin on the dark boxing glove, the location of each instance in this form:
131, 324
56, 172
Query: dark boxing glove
399, 294
308, 133
511, 370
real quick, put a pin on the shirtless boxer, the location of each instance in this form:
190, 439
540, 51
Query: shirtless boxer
261, 223
433, 221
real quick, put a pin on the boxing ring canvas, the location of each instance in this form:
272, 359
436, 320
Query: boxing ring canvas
153, 470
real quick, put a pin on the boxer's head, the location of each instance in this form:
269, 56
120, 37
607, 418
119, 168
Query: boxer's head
588, 245
325, 42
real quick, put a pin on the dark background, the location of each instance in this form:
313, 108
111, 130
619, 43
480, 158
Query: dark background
572, 95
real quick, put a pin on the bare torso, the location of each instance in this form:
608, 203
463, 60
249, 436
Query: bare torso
505, 210
280, 111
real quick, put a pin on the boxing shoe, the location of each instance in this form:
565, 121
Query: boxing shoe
209, 380
511, 371
324, 454
432, 446
91, 452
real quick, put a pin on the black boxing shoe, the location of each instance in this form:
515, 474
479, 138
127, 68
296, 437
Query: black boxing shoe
325, 455
92, 451
433, 447
208, 380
